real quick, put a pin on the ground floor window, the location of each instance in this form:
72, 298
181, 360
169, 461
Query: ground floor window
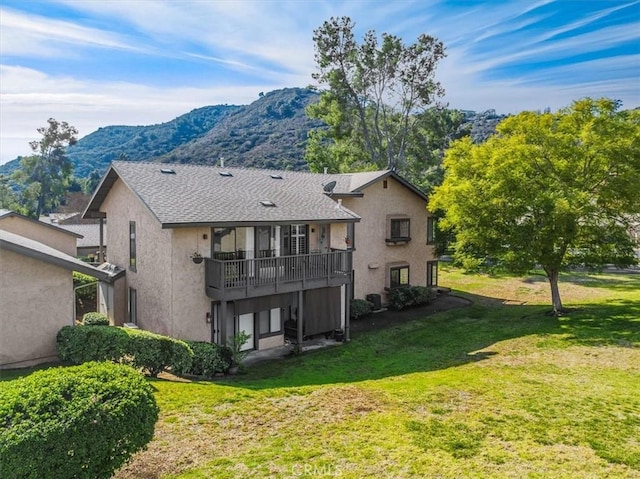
399, 276
133, 306
270, 322
432, 273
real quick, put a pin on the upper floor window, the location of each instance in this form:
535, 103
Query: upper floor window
132, 246
431, 230
399, 230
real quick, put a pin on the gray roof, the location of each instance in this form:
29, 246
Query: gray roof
201, 195
34, 249
12, 214
89, 232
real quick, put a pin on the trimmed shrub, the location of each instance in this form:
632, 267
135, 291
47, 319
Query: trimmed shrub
82, 421
80, 344
360, 308
154, 353
95, 319
400, 298
208, 359
150, 352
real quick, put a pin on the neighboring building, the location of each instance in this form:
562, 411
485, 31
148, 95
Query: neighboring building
88, 245
394, 243
36, 294
49, 234
278, 247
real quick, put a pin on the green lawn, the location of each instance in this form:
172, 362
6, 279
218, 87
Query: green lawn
497, 389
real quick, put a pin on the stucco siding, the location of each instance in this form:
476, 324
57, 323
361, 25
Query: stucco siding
373, 256
36, 300
189, 301
151, 278
60, 240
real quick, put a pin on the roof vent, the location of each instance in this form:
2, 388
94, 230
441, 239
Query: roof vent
225, 173
276, 176
168, 171
270, 204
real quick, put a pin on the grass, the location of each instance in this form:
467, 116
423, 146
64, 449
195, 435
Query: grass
498, 389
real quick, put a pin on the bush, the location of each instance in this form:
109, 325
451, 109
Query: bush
82, 421
360, 308
154, 353
208, 359
95, 319
80, 344
400, 298
141, 349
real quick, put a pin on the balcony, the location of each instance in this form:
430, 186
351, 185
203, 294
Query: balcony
231, 279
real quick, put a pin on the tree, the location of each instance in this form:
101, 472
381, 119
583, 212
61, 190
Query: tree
47, 174
552, 189
375, 92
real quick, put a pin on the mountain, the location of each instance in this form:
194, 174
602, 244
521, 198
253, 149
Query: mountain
270, 132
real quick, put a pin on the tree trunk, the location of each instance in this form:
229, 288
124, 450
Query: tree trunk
552, 275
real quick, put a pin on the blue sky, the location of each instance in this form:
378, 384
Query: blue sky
96, 63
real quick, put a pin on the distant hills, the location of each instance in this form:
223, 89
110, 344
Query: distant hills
271, 132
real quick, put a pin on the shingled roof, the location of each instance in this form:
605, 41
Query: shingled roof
189, 195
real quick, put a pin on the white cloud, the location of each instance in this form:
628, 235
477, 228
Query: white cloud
30, 97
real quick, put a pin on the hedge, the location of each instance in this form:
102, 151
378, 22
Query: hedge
360, 308
150, 352
400, 298
95, 319
82, 421
208, 359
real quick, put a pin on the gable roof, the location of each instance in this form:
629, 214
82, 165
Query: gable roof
89, 233
13, 214
204, 195
189, 195
34, 249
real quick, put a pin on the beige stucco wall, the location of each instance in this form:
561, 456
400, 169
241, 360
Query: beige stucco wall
189, 301
36, 300
373, 256
152, 278
169, 286
58, 239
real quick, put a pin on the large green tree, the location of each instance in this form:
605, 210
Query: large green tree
374, 93
46, 175
553, 189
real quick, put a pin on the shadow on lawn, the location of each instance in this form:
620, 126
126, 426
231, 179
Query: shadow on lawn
445, 340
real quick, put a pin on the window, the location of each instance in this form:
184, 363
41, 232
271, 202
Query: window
132, 246
133, 306
431, 230
399, 230
269, 322
432, 273
399, 276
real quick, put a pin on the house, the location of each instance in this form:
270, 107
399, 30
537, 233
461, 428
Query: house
49, 234
36, 291
394, 242
211, 251
88, 245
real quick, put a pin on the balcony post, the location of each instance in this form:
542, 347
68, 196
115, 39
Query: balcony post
300, 320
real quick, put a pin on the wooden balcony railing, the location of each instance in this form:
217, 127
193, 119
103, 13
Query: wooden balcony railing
227, 274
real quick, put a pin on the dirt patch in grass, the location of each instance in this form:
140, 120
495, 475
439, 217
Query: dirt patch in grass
198, 437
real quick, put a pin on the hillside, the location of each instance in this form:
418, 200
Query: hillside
269, 133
